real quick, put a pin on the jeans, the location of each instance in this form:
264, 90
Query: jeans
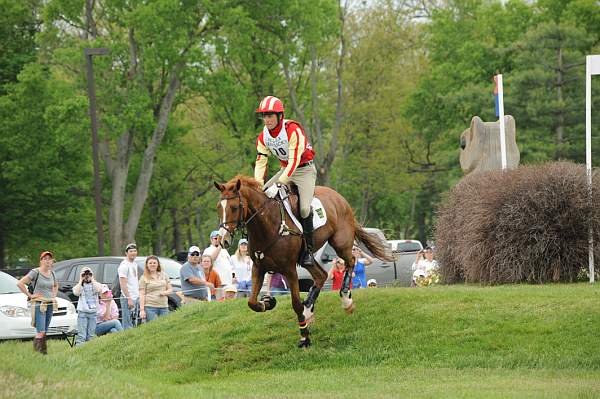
109, 326
244, 288
86, 327
152, 313
127, 319
42, 320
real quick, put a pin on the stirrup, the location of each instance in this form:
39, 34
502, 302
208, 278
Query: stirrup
308, 259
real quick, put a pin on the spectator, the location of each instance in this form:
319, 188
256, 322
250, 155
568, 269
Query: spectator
230, 292
155, 287
221, 259
336, 274
276, 284
130, 289
193, 282
213, 281
87, 289
423, 265
372, 283
41, 291
107, 318
361, 261
242, 268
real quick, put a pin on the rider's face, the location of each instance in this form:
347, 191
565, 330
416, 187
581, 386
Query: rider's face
270, 121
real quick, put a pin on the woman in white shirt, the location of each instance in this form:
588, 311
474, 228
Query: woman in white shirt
242, 268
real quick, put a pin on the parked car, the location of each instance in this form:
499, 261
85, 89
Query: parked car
105, 271
398, 271
15, 315
405, 245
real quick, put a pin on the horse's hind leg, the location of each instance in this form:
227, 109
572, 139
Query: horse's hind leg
292, 278
319, 277
345, 293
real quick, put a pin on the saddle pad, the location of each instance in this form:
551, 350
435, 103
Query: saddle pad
319, 214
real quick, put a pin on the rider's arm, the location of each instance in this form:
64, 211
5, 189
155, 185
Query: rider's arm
260, 169
296, 148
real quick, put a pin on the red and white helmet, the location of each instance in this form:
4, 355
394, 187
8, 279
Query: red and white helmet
270, 104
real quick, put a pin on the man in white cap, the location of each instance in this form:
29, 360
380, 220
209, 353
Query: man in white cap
130, 288
193, 281
221, 258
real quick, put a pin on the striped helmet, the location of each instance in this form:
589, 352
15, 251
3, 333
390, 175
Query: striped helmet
270, 104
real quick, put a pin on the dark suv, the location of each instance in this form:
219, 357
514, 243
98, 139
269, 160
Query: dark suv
105, 271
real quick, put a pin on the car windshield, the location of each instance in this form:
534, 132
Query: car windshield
408, 247
169, 266
8, 284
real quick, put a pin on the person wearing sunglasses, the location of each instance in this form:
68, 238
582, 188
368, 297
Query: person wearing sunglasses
193, 280
87, 289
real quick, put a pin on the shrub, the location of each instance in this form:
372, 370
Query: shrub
525, 225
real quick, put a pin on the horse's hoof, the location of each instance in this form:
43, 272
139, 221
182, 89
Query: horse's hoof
269, 301
304, 343
350, 309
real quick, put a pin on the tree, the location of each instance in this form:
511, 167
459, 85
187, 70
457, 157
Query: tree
41, 173
156, 52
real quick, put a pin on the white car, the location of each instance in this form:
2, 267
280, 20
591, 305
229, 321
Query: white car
15, 316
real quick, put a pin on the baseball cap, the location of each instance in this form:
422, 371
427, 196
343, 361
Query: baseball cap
214, 233
104, 288
194, 248
372, 281
230, 288
243, 241
46, 253
131, 245
86, 269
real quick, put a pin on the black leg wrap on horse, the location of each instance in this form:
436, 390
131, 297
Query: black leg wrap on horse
304, 333
312, 296
269, 301
307, 226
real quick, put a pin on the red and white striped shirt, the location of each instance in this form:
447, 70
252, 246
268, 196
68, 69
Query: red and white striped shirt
289, 143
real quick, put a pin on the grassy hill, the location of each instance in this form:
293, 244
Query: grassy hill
451, 342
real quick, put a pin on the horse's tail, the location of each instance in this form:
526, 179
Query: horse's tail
373, 243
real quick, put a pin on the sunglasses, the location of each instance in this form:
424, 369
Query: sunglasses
195, 254
87, 274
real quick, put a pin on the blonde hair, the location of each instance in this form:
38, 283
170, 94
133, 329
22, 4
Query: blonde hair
146, 271
238, 255
211, 261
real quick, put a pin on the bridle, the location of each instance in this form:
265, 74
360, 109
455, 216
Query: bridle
240, 223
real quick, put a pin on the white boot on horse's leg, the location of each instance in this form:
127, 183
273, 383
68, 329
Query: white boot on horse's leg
347, 303
309, 314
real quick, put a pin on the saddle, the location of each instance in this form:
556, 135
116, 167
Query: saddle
290, 200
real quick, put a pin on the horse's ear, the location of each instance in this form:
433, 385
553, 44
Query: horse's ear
238, 185
219, 187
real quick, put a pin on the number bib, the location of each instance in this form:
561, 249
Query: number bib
278, 145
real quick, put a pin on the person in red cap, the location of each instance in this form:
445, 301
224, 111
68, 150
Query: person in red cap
286, 139
41, 291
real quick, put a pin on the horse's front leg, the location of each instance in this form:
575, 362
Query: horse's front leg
298, 306
258, 276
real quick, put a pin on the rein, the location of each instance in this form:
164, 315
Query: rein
241, 224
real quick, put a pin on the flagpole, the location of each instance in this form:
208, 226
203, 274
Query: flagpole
500, 114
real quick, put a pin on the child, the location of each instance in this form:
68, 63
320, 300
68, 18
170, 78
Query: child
87, 290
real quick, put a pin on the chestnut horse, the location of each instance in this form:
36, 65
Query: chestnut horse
244, 206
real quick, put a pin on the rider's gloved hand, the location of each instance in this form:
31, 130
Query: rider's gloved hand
271, 192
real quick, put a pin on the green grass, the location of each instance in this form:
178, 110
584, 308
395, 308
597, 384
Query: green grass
451, 342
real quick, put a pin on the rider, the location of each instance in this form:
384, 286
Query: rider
286, 140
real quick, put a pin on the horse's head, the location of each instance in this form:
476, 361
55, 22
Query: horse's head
231, 209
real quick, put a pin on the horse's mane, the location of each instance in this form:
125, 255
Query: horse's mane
246, 181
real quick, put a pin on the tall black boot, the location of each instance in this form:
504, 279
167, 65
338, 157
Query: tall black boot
307, 226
